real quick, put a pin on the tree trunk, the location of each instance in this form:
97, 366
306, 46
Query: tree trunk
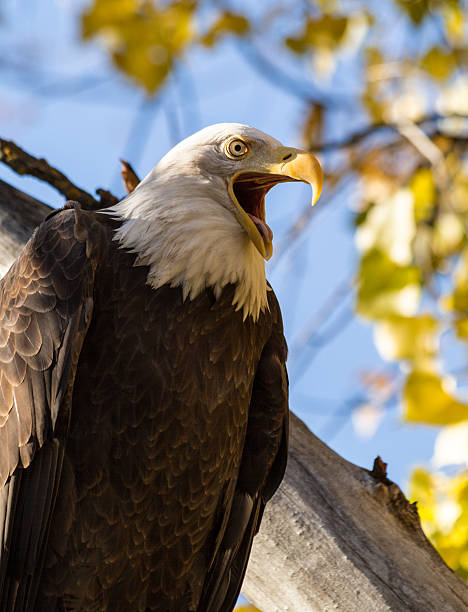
335, 536
338, 537
19, 215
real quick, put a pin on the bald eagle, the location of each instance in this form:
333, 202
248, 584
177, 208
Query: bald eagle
143, 387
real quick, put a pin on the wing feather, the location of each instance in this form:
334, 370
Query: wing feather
46, 302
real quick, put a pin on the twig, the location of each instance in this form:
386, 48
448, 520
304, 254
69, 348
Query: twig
357, 137
422, 143
129, 176
24, 163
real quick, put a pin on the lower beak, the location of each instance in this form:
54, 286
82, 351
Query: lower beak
248, 190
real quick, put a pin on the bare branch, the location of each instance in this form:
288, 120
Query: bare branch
24, 163
129, 176
370, 130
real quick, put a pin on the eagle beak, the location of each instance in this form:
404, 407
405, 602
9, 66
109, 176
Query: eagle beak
248, 189
303, 167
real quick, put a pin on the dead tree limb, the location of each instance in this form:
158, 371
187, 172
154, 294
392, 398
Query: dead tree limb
23, 163
338, 537
335, 536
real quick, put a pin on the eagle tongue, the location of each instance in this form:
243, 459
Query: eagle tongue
263, 228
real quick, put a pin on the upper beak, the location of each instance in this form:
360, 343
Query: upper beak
302, 166
249, 187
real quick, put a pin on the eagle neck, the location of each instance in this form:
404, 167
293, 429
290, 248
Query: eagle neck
193, 242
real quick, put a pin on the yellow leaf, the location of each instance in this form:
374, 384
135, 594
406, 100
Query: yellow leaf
439, 63
390, 227
326, 31
448, 235
386, 288
142, 38
443, 508
416, 9
458, 488
104, 13
413, 338
461, 328
227, 23
459, 190
421, 490
424, 193
458, 299
455, 22
426, 400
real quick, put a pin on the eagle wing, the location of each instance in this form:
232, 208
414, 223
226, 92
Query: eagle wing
262, 469
45, 308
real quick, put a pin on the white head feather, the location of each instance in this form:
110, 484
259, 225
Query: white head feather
181, 221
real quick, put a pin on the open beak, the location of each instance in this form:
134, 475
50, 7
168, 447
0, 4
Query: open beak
248, 190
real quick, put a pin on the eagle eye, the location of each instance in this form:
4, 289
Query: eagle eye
236, 148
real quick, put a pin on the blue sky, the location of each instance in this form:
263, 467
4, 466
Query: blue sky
60, 99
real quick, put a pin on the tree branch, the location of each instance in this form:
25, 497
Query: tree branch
372, 129
23, 163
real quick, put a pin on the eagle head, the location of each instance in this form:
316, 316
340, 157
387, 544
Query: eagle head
198, 219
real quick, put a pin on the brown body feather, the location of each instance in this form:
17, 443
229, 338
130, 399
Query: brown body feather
140, 435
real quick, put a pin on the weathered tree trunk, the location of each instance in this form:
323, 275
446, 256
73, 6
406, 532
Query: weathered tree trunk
19, 215
338, 537
335, 536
